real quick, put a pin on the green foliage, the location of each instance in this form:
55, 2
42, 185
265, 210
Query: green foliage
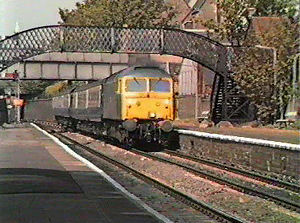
234, 24
7, 85
296, 125
236, 18
26, 87
265, 81
62, 86
121, 13
56, 89
286, 8
34, 87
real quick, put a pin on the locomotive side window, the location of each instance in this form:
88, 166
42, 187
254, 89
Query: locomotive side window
159, 85
94, 97
136, 85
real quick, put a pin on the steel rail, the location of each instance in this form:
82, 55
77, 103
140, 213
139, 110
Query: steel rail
204, 208
242, 188
256, 176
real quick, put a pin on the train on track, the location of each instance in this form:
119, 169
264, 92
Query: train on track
132, 105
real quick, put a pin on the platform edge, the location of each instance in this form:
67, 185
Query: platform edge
129, 195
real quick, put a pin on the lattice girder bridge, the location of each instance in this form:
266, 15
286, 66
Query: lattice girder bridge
208, 53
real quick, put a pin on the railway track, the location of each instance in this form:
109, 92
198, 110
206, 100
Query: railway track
250, 174
214, 177
204, 208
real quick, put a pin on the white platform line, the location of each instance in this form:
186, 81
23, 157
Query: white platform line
137, 200
238, 139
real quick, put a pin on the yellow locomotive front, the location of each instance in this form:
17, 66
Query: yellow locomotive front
147, 104
147, 98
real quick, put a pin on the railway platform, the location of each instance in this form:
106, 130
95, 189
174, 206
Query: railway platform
41, 182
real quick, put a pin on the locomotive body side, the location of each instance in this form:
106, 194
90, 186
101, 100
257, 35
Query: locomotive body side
111, 100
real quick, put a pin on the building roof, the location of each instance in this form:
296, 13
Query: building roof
261, 25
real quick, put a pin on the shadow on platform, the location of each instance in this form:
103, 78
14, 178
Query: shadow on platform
27, 180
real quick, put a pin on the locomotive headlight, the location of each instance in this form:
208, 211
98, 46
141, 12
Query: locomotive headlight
167, 101
152, 115
131, 101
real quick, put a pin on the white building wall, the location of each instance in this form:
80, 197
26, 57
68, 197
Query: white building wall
188, 78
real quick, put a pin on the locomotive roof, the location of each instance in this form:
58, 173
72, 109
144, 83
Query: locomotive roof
130, 72
140, 72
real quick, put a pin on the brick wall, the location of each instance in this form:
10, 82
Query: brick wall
284, 162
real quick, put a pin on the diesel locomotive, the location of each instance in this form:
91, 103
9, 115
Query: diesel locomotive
132, 105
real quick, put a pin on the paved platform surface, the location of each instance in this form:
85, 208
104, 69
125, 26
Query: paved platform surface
279, 135
41, 183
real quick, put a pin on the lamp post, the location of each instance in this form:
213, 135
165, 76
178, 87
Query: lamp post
17, 79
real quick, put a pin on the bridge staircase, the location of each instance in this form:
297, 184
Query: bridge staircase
229, 102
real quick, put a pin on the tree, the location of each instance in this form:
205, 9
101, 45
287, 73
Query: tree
56, 88
286, 8
59, 87
265, 82
236, 17
235, 20
34, 87
129, 13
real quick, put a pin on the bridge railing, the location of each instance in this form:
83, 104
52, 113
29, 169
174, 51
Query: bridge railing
41, 40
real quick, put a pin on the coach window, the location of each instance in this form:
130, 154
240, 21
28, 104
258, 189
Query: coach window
94, 97
158, 85
61, 101
81, 99
136, 85
65, 101
73, 100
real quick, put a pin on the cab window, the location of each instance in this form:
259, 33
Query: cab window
160, 85
136, 85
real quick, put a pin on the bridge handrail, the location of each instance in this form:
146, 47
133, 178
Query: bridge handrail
67, 38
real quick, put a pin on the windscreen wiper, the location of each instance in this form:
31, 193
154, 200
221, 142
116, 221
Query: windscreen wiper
136, 81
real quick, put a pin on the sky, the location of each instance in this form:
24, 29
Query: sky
30, 13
